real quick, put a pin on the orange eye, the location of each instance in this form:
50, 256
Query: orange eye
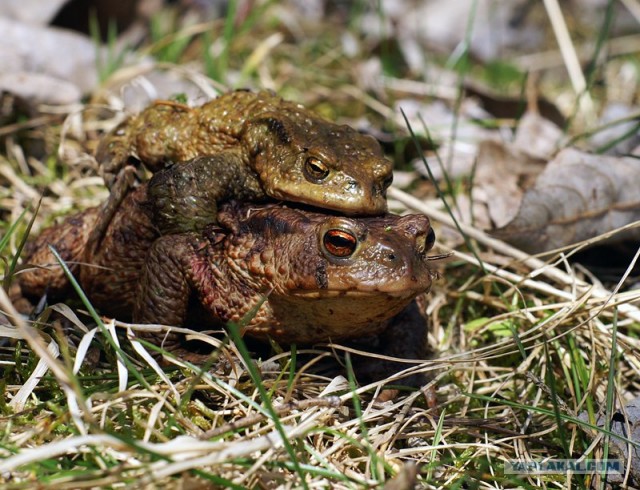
339, 243
315, 170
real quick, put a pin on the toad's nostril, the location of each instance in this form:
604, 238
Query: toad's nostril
425, 241
380, 187
430, 239
386, 182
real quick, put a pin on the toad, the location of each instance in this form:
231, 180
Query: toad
276, 148
311, 277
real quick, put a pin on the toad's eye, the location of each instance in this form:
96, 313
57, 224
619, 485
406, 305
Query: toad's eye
315, 170
339, 243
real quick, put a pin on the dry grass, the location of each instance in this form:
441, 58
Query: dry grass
524, 345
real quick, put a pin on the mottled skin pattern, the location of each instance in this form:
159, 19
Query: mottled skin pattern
324, 277
69, 239
183, 199
288, 256
110, 274
285, 151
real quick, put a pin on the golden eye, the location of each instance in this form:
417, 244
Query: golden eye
339, 243
315, 170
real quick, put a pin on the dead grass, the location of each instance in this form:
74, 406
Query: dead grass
529, 350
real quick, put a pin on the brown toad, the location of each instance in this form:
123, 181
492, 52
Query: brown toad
314, 276
279, 149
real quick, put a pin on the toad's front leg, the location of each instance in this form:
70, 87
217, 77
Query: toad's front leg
185, 196
404, 338
165, 289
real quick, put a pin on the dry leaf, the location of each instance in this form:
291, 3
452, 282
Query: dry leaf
498, 26
619, 135
537, 137
578, 196
505, 106
496, 181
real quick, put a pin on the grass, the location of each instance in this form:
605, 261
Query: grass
529, 350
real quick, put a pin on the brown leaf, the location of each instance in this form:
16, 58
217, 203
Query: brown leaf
578, 196
501, 170
496, 181
510, 107
536, 136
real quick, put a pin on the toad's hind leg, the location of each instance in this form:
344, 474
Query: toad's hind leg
148, 140
69, 239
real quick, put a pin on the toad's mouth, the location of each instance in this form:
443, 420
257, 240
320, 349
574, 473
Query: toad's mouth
330, 294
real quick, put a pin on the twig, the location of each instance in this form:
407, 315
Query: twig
633, 6
569, 55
